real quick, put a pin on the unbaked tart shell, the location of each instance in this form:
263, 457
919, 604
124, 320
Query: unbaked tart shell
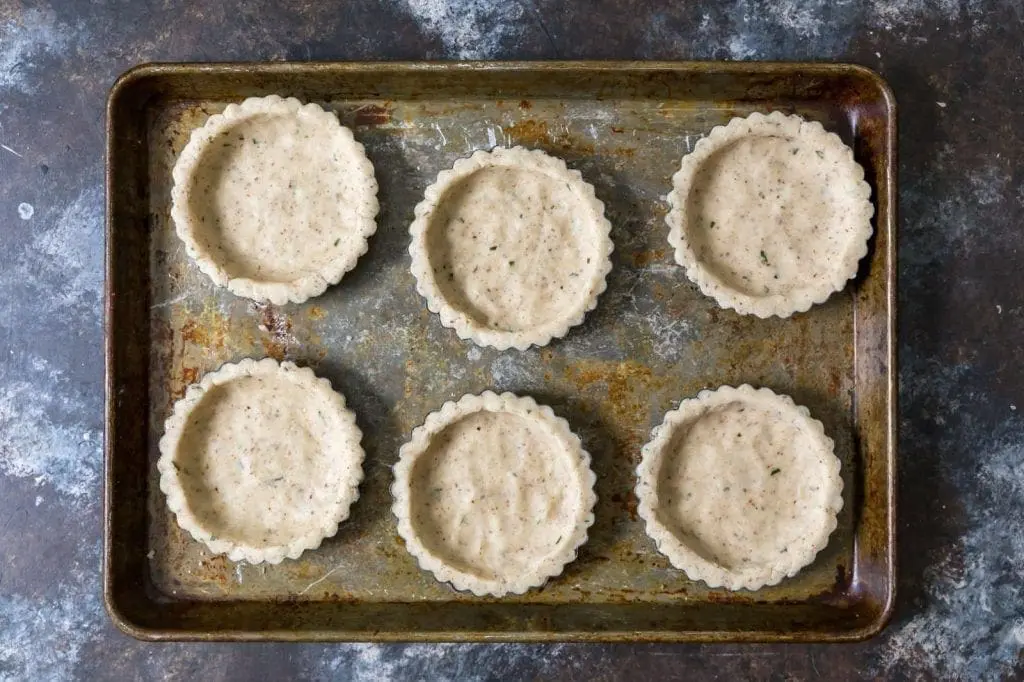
274, 199
510, 248
770, 214
493, 494
260, 461
739, 487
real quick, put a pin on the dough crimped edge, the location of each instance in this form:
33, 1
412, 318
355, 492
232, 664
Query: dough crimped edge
464, 325
775, 124
174, 429
683, 557
420, 441
313, 283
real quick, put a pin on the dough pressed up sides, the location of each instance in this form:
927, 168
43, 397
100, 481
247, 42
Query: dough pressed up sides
274, 199
510, 248
770, 214
739, 487
493, 494
261, 461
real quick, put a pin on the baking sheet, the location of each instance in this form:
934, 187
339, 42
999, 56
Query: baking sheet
652, 340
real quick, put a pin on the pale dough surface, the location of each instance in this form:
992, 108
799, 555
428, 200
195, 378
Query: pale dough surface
261, 461
770, 214
276, 199
740, 487
494, 494
510, 247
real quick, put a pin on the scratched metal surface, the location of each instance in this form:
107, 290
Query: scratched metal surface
652, 340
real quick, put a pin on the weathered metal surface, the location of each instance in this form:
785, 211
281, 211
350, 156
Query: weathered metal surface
652, 340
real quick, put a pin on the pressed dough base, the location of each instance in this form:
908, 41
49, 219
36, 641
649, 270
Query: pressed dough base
261, 461
510, 247
502, 468
493, 494
770, 214
274, 199
739, 487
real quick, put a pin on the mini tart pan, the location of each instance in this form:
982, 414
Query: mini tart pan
510, 248
493, 494
770, 214
739, 487
260, 461
274, 199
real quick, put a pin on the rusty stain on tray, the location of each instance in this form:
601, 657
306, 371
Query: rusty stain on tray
373, 114
628, 386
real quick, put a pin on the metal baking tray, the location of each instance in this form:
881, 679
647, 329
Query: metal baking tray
652, 340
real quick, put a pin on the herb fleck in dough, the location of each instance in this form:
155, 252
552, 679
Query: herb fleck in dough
493, 494
261, 461
739, 488
770, 214
274, 199
511, 248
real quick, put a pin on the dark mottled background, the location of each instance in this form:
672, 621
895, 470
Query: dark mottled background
957, 67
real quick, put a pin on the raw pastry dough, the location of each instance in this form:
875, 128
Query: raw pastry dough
493, 494
510, 247
261, 461
739, 487
274, 199
770, 214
